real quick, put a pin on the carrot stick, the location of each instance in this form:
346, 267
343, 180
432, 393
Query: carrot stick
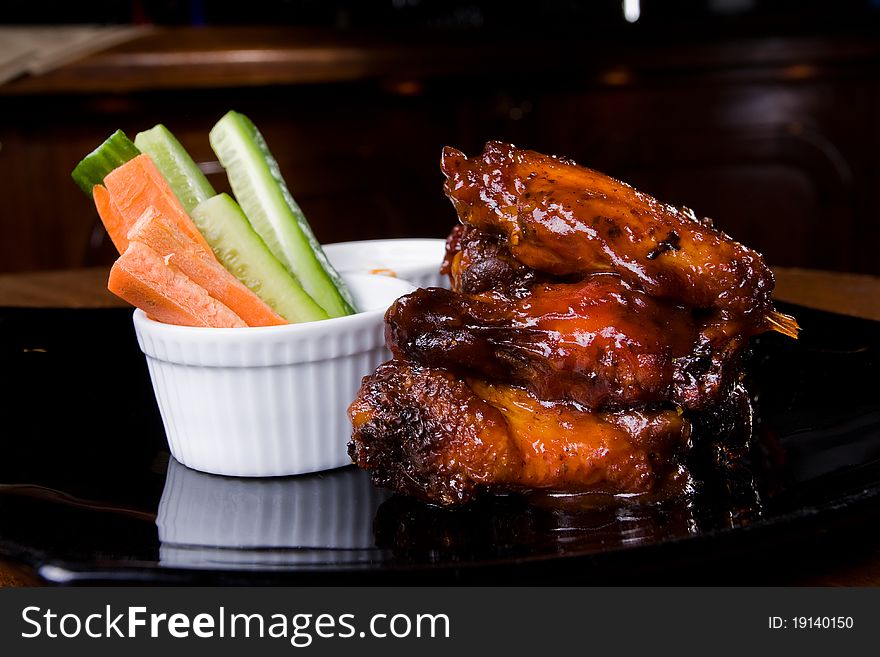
110, 217
141, 277
137, 185
183, 253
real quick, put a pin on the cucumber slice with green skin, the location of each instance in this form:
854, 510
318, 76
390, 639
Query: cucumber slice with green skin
246, 256
175, 164
262, 194
116, 150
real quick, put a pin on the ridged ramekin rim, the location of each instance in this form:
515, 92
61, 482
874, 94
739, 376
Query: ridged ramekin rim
246, 334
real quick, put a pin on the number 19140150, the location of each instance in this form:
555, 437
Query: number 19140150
810, 623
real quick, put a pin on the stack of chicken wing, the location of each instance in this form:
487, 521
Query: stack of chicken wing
587, 325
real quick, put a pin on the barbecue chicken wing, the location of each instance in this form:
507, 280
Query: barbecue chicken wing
589, 328
424, 432
597, 342
480, 267
477, 262
563, 219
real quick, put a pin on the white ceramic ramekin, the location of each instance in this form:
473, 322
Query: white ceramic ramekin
415, 260
267, 401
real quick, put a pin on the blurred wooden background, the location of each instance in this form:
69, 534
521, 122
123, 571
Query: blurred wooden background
776, 138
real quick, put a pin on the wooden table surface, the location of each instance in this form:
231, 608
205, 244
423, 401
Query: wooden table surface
850, 294
238, 56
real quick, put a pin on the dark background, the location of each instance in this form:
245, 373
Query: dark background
762, 115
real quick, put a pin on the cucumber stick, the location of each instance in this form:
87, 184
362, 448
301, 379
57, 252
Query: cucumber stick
261, 192
175, 164
116, 150
246, 256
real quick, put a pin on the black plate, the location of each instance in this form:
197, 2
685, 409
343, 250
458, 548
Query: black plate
88, 492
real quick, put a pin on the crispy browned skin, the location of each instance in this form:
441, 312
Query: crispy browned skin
561, 218
423, 432
597, 342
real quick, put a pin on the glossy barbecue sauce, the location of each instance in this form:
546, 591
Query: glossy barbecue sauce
591, 347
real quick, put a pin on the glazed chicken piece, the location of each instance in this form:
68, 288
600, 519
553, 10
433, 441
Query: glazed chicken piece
589, 329
563, 219
598, 342
477, 262
424, 432
481, 267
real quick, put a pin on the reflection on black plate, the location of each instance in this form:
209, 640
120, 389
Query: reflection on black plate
87, 492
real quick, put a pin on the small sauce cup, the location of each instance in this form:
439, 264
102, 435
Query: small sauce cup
267, 401
415, 260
